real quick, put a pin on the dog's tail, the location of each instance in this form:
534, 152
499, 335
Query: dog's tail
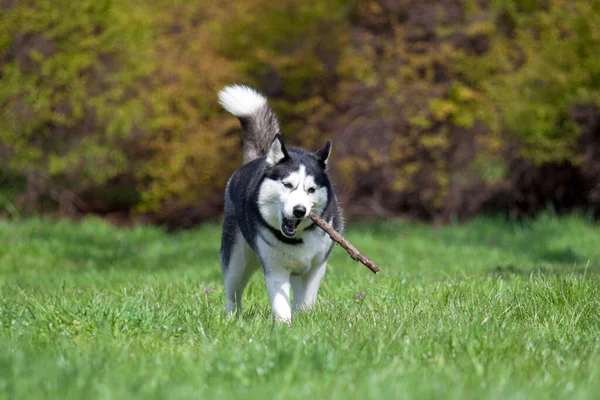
259, 122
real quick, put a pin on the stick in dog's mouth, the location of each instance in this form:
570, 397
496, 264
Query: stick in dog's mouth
339, 239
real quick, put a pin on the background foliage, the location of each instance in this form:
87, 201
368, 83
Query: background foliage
437, 109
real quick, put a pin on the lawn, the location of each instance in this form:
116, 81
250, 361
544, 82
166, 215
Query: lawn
489, 309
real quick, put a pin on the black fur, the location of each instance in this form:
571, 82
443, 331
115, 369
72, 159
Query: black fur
241, 209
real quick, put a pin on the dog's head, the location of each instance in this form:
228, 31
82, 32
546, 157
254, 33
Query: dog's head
295, 185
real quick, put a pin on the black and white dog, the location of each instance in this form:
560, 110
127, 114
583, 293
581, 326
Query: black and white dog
267, 201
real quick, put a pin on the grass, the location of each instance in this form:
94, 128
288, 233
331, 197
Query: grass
490, 309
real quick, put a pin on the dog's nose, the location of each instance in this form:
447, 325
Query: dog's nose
299, 211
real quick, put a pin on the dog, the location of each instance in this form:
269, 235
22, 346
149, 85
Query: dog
267, 202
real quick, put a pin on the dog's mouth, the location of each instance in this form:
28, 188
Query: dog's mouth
289, 226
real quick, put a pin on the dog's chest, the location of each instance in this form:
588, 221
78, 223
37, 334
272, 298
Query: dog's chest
297, 258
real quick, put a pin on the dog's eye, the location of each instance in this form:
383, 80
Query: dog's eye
288, 185
311, 190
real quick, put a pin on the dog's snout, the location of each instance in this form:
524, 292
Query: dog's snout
299, 211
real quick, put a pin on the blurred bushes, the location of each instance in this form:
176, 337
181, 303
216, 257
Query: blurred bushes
472, 105
111, 105
436, 108
70, 93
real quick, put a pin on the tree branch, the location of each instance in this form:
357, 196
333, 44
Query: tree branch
339, 239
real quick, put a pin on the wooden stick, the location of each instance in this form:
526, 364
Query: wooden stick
339, 239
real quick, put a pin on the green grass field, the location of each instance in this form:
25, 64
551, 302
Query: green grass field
490, 309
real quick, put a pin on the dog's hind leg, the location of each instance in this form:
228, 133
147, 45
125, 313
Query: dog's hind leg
238, 266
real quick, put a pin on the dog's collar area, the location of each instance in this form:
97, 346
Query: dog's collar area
280, 236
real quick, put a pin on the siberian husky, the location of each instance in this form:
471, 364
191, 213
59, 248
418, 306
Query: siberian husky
267, 201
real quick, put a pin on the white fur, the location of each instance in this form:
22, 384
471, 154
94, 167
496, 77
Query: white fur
298, 195
301, 266
276, 201
241, 101
297, 259
306, 287
242, 264
278, 286
276, 153
270, 202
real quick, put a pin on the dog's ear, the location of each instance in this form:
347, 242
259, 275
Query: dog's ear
323, 154
277, 153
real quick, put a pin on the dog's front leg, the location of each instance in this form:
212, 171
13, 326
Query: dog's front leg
306, 287
278, 286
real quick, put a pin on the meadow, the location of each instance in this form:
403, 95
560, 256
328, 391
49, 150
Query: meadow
490, 309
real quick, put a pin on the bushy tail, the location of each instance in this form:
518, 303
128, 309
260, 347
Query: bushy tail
259, 122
